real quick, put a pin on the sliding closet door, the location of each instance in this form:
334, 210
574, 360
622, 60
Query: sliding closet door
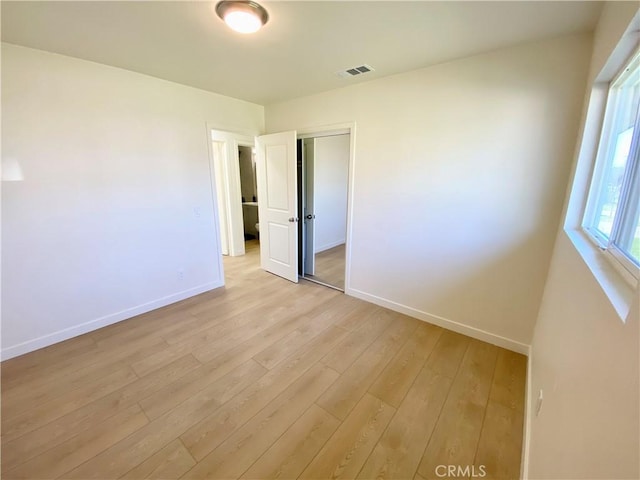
308, 145
278, 203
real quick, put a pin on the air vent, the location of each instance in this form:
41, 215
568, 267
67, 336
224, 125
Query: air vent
354, 71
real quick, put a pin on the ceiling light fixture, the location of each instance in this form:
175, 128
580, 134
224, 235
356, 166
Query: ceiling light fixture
243, 16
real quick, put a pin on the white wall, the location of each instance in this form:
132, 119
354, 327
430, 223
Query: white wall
331, 179
459, 179
584, 357
116, 198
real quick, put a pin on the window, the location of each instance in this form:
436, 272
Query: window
612, 214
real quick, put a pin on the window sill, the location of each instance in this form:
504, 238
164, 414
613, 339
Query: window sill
618, 287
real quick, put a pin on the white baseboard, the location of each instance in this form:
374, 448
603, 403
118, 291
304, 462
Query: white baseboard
473, 332
67, 333
526, 433
330, 245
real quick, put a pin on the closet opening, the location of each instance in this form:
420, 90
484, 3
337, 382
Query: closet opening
323, 181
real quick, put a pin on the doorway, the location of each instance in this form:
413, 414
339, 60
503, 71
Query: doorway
232, 170
268, 200
323, 173
249, 192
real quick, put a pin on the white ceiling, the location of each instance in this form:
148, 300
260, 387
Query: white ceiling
300, 49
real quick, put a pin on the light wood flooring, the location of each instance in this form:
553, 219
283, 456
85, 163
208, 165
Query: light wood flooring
329, 266
263, 379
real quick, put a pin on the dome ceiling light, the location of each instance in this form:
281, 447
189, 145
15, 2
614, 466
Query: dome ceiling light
243, 16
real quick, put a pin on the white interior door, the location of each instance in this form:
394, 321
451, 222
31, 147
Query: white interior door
278, 203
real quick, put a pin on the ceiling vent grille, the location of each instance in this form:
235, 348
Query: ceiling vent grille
355, 71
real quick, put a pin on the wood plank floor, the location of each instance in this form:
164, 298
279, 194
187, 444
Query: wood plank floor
263, 379
329, 267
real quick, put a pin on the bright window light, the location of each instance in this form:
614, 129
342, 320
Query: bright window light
612, 214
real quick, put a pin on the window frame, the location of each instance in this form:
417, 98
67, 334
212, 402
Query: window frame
629, 269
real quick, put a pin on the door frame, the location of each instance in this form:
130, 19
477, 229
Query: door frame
228, 202
233, 194
336, 129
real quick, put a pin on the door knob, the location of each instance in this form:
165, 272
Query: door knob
310, 217
293, 219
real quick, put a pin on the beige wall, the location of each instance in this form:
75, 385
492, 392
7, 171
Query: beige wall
584, 357
115, 214
459, 180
